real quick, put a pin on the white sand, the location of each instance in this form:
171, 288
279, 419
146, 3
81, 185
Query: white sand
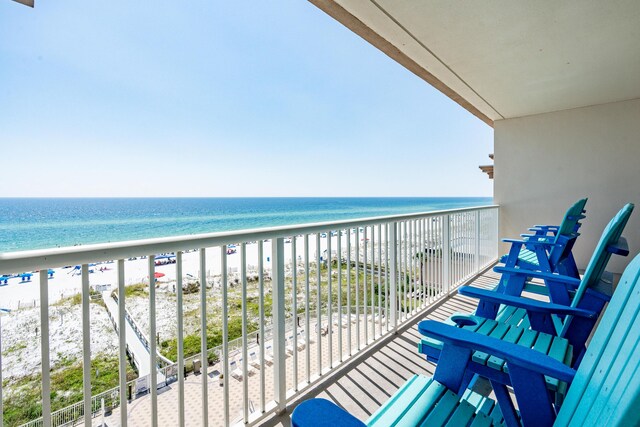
21, 345
21, 337
67, 281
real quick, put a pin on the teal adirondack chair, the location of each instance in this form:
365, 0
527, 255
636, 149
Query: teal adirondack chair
604, 390
548, 253
559, 328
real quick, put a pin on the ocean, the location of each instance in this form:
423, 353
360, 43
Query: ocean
39, 223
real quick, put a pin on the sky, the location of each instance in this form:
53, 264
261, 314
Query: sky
219, 99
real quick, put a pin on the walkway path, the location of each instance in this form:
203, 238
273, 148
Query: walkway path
136, 346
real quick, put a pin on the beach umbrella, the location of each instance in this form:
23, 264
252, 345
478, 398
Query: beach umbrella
158, 275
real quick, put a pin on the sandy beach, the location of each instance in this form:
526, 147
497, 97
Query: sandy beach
67, 281
21, 346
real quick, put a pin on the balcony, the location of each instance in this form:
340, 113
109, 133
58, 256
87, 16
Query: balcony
322, 307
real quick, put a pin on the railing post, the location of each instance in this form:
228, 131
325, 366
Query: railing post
203, 335
477, 256
152, 342
393, 279
180, 339
279, 352
86, 346
446, 253
122, 348
44, 348
496, 232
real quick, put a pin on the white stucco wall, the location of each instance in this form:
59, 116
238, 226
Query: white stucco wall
544, 163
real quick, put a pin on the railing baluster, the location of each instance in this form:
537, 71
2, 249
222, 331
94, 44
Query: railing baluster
465, 245
152, 341
329, 305
279, 352
477, 245
412, 286
393, 280
380, 240
180, 326
446, 240
44, 348
373, 259
452, 253
261, 326
387, 272
357, 288
203, 336
339, 265
415, 297
439, 261
225, 336
319, 304
307, 314
349, 314
245, 344
470, 243
422, 263
86, 345
364, 288
405, 270
294, 309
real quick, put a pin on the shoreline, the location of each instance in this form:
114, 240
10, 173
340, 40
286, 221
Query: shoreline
66, 282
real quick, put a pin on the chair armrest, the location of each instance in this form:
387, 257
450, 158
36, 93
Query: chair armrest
538, 275
530, 242
526, 303
546, 227
537, 236
576, 217
621, 247
312, 411
527, 358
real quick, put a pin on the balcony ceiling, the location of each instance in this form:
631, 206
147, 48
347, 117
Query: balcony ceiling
505, 59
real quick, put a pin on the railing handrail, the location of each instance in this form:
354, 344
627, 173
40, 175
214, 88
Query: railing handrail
408, 291
15, 262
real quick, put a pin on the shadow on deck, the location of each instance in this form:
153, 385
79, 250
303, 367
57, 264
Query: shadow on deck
370, 379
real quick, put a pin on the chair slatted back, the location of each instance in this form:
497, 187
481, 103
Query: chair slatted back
600, 258
572, 218
567, 232
606, 388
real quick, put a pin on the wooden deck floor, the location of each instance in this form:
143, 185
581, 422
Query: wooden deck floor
364, 384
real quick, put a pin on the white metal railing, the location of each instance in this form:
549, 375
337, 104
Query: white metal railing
335, 289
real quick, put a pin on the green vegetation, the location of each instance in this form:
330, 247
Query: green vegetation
169, 348
17, 347
23, 402
76, 299
137, 290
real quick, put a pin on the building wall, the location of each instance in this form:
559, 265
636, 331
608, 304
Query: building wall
544, 163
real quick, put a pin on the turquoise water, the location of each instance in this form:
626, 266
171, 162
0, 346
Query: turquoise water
38, 223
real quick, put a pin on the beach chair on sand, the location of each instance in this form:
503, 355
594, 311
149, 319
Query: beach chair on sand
236, 370
604, 390
253, 360
289, 350
548, 249
559, 328
268, 355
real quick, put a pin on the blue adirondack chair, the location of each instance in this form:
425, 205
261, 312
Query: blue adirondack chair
559, 328
548, 253
573, 217
604, 390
